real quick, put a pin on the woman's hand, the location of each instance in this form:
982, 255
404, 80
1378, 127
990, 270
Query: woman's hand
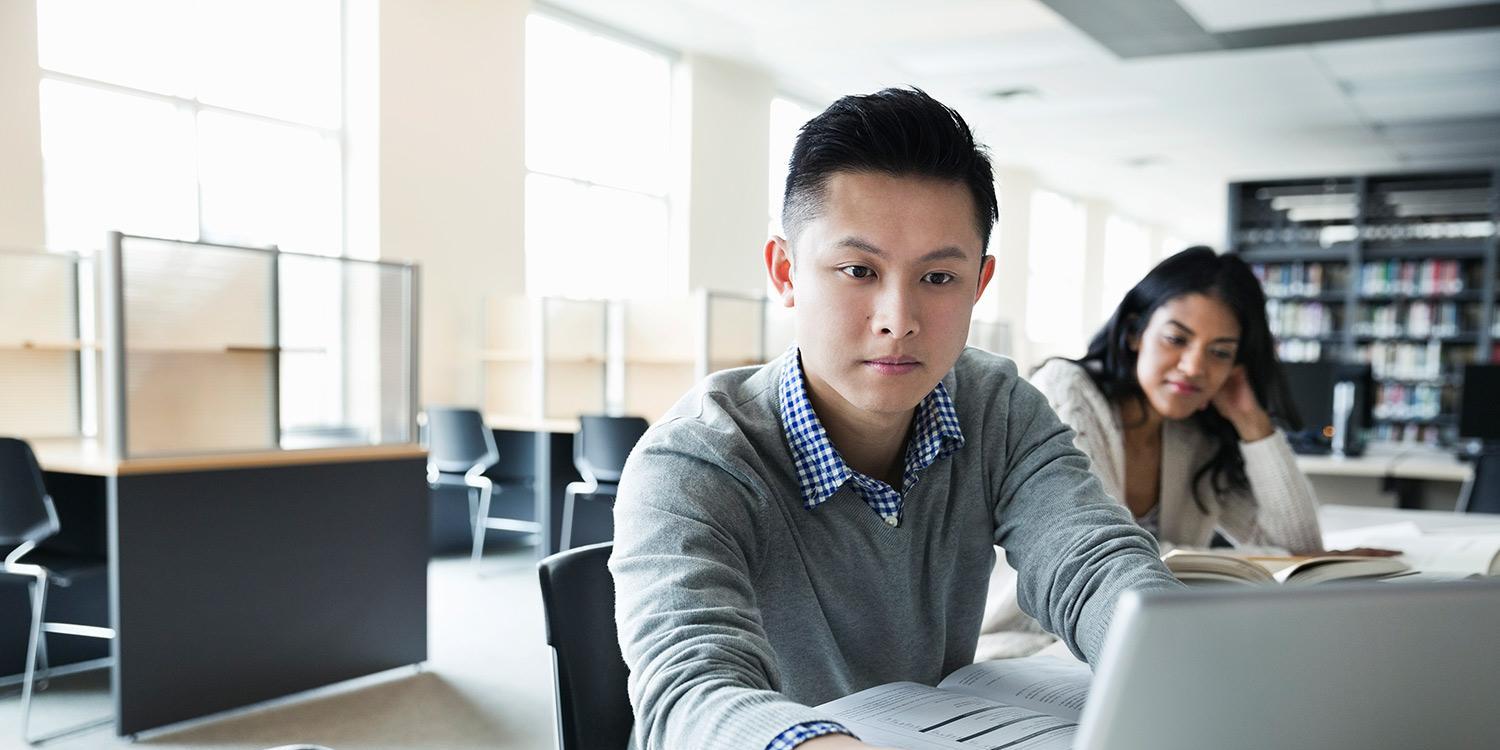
1236, 401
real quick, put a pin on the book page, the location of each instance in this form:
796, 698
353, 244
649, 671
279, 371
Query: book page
1045, 684
917, 717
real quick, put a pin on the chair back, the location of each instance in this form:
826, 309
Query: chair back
458, 440
603, 444
26, 512
517, 462
578, 599
1482, 493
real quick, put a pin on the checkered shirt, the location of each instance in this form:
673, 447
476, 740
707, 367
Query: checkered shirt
821, 470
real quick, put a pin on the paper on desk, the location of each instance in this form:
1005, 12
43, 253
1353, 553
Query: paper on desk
917, 717
1445, 551
1360, 537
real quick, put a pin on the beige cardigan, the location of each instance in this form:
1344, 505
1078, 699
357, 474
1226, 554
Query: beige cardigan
1278, 510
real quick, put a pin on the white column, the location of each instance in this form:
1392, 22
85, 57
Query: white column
729, 130
1097, 213
452, 170
22, 222
1005, 300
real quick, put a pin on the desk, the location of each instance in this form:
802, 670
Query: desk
1334, 518
238, 578
1402, 468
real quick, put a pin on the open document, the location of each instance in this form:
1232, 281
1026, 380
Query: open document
1011, 704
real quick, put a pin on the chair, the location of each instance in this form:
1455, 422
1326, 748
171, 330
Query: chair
1481, 493
592, 704
599, 453
27, 517
460, 449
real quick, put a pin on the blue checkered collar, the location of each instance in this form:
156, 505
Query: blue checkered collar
821, 471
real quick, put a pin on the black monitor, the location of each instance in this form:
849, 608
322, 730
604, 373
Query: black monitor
1310, 385
1479, 404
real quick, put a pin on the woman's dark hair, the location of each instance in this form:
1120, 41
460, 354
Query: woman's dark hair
893, 131
1111, 362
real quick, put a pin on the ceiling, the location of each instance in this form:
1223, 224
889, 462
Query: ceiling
1156, 132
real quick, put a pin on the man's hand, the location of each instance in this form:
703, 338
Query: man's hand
837, 742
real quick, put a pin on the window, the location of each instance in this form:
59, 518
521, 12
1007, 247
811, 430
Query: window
1054, 261
174, 119
219, 122
787, 117
1127, 258
598, 135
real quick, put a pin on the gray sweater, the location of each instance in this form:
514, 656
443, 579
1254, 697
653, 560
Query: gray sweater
738, 608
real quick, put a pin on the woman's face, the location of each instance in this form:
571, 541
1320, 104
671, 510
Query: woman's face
1185, 354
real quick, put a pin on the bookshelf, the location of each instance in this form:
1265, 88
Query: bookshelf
1398, 271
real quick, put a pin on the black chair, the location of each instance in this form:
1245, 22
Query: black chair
461, 449
1481, 494
599, 453
27, 517
592, 704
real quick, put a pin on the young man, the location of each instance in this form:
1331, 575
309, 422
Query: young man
796, 532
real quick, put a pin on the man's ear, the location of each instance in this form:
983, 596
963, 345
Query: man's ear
986, 272
779, 267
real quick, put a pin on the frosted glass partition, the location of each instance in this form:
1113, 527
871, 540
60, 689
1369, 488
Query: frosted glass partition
224, 348
574, 348
659, 352
42, 352
345, 352
199, 347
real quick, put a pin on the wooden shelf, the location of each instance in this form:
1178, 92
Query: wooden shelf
499, 356
49, 346
224, 349
660, 361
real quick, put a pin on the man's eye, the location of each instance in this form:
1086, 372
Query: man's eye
858, 272
939, 277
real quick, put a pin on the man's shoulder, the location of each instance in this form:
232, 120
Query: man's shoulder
727, 420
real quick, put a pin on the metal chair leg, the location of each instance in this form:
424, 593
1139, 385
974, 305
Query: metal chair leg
480, 517
565, 542
44, 671
38, 608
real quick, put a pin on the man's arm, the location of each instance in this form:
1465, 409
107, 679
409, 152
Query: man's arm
1074, 548
702, 671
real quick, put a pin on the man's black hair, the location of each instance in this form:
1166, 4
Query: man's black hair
902, 132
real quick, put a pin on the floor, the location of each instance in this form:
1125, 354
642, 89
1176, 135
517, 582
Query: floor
487, 683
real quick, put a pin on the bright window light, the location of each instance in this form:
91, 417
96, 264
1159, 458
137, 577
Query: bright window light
598, 136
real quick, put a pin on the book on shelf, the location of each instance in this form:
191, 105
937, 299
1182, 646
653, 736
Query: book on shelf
1209, 567
1034, 702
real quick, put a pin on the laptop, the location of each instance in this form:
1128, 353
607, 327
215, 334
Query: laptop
1367, 665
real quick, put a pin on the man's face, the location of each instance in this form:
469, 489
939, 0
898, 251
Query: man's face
883, 283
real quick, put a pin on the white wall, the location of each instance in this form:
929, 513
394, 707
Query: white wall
22, 223
452, 168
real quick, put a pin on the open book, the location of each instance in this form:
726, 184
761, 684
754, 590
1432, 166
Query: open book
1032, 704
1227, 567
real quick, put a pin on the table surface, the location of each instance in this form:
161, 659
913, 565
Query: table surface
87, 456
1392, 460
1345, 517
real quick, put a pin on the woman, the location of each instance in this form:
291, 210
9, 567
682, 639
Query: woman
1173, 403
